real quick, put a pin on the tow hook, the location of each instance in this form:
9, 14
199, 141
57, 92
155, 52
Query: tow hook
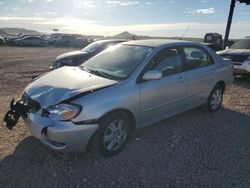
17, 109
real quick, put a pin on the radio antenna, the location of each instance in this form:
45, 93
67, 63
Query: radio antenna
185, 32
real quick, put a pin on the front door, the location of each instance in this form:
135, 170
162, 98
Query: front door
165, 97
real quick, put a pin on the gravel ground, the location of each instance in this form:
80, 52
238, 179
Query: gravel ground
192, 149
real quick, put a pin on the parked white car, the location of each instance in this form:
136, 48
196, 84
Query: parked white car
239, 53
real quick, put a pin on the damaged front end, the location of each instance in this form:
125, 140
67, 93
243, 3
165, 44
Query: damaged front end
18, 109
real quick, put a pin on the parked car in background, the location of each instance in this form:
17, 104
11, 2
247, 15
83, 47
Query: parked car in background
128, 86
53, 37
76, 58
12, 38
214, 47
65, 40
79, 42
239, 53
30, 41
2, 41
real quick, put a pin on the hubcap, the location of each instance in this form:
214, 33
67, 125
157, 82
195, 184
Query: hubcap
115, 135
216, 99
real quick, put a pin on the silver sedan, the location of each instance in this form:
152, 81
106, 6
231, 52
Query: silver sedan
126, 87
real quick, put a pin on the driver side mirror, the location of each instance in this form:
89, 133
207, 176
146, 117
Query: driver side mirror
152, 75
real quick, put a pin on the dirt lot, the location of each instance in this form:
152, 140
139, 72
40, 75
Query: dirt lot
193, 149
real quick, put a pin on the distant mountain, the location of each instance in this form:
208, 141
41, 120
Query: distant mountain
124, 35
20, 30
127, 35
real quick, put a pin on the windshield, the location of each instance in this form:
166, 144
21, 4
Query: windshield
117, 62
92, 47
242, 44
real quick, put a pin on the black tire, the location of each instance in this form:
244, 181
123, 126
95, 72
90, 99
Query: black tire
215, 98
116, 119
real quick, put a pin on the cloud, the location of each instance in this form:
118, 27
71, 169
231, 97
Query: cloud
12, 9
122, 3
206, 11
75, 25
79, 4
49, 0
210, 10
1, 2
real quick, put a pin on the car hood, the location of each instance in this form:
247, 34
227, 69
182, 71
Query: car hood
64, 83
70, 54
235, 52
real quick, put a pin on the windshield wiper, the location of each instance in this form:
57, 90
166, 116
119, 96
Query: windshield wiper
100, 73
97, 72
86, 69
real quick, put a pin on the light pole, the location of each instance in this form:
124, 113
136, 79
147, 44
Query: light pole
230, 18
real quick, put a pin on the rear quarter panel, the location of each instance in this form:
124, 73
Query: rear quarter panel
224, 71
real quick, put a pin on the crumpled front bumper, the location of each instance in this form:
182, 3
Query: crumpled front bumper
60, 135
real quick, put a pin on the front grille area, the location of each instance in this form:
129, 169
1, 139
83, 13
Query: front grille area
236, 58
33, 105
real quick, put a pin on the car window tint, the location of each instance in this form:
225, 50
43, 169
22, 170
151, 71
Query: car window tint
168, 61
196, 58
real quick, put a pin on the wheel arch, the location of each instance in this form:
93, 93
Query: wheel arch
222, 84
124, 111
131, 116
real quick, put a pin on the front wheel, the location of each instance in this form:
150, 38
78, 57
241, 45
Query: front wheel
113, 133
215, 98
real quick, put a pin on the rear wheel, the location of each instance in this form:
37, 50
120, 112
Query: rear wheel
215, 98
113, 133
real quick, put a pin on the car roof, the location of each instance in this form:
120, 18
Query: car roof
157, 42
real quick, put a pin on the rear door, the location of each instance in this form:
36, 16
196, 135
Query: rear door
199, 70
165, 97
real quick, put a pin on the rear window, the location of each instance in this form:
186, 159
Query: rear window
196, 58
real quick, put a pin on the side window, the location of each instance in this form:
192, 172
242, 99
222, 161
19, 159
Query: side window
29, 38
196, 58
168, 61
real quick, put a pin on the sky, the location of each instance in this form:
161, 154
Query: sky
164, 18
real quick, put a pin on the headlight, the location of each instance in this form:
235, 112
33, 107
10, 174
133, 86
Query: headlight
63, 112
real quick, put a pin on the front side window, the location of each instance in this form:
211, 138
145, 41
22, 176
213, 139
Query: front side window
168, 61
196, 58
